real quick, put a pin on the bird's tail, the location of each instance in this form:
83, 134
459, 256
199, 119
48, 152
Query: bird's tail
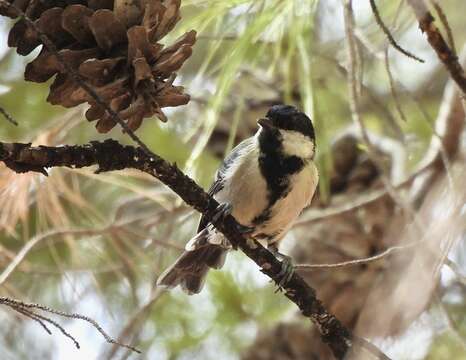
191, 268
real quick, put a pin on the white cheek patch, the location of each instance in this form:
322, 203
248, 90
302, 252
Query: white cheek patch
297, 144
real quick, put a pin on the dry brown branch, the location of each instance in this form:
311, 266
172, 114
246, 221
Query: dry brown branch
387, 32
110, 155
27, 309
45, 319
438, 43
32, 316
444, 20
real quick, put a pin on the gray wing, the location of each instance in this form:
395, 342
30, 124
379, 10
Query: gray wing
219, 176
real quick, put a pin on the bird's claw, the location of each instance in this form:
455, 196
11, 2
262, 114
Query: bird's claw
225, 209
243, 229
287, 271
222, 211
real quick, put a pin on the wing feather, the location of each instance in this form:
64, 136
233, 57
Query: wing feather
218, 183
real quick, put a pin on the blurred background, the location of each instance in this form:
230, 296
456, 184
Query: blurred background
101, 240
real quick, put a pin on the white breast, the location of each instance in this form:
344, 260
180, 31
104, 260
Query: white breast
245, 188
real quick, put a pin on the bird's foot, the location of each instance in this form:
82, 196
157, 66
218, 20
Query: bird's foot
225, 209
243, 229
222, 211
287, 270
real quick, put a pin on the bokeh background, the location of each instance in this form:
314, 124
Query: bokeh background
102, 239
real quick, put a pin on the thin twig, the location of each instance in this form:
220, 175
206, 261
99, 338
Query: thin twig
7, 116
383, 254
387, 32
16, 304
33, 316
57, 325
393, 91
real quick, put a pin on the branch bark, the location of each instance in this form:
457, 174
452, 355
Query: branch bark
111, 155
438, 43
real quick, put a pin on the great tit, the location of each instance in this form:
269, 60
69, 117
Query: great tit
265, 182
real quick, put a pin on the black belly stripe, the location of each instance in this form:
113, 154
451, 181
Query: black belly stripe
276, 168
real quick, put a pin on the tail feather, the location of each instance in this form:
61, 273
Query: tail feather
191, 268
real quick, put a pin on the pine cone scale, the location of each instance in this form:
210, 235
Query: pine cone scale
114, 45
75, 20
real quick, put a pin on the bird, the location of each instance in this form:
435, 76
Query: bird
264, 183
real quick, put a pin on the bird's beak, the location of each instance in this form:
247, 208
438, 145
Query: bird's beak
265, 123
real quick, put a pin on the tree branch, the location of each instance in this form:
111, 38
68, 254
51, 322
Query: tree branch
111, 155
438, 43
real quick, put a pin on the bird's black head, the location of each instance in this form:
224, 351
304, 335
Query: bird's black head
287, 131
287, 117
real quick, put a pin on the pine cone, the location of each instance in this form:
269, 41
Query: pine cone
114, 45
